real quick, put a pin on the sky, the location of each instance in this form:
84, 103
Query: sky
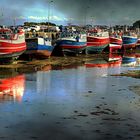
62, 12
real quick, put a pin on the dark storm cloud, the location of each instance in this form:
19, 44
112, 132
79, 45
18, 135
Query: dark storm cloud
117, 11
101, 11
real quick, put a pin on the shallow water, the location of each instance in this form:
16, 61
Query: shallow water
77, 102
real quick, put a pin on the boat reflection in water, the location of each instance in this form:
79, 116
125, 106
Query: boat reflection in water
138, 58
114, 57
113, 60
12, 88
45, 68
102, 64
129, 59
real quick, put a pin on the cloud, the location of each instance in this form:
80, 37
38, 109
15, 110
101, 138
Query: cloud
37, 18
103, 11
58, 18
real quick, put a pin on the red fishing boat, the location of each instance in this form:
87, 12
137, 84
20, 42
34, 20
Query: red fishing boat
12, 43
97, 42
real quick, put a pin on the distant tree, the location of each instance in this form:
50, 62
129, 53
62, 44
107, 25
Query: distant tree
136, 24
40, 23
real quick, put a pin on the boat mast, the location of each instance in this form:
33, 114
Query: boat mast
1, 14
14, 21
49, 6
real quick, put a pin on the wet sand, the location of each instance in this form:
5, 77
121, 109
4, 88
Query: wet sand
135, 89
132, 73
25, 66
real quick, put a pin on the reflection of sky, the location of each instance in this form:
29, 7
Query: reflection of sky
75, 81
61, 83
72, 83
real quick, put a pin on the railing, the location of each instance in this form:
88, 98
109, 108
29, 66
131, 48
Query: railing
6, 36
99, 34
10, 36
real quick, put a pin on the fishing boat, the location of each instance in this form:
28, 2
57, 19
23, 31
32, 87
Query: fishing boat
12, 43
97, 42
39, 46
72, 44
115, 43
129, 41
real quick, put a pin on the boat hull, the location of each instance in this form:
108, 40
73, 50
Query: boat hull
70, 47
115, 40
95, 49
96, 44
12, 46
39, 47
129, 42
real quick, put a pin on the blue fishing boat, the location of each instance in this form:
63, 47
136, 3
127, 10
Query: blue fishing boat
72, 45
39, 46
129, 42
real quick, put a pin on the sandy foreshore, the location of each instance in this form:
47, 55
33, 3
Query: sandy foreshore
36, 64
